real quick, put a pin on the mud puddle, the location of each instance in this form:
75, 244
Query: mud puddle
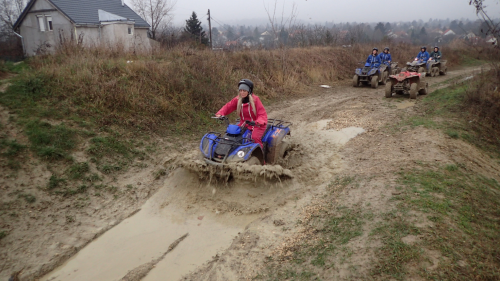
213, 214
147, 235
322, 130
405, 104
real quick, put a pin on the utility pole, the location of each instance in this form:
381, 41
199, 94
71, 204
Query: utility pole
210, 29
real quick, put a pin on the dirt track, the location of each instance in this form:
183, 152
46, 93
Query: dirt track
233, 227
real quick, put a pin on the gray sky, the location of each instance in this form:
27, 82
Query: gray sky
244, 12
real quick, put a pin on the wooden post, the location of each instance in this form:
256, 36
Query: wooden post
210, 29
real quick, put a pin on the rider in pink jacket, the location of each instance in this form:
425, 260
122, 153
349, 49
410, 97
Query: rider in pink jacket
249, 108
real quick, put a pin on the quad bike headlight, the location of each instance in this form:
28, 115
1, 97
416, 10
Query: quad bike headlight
241, 154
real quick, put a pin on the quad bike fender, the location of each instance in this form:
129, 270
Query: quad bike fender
273, 140
244, 152
208, 144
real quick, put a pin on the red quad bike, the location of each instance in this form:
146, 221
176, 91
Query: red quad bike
406, 82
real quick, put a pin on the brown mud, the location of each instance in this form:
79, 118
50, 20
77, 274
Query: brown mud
233, 225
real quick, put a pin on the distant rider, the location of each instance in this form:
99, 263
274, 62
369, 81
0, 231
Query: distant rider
436, 54
386, 58
249, 108
423, 56
373, 59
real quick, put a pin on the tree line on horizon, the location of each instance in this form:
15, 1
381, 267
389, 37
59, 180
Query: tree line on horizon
273, 34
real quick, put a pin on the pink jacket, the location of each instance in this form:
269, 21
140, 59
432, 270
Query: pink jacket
246, 111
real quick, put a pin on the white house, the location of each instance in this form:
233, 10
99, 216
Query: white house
45, 24
448, 32
492, 40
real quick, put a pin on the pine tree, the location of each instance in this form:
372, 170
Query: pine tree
194, 30
256, 34
328, 37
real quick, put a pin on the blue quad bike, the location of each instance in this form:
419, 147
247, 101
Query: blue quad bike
431, 68
416, 65
370, 74
237, 146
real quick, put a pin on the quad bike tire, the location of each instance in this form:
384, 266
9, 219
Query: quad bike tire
424, 90
444, 71
388, 90
421, 70
283, 148
355, 81
374, 82
413, 91
253, 161
434, 71
385, 75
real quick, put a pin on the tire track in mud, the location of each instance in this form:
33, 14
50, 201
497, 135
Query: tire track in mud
239, 221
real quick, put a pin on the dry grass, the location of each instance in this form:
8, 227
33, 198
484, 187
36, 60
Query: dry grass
483, 100
175, 90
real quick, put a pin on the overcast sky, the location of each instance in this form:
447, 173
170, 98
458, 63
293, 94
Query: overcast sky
243, 12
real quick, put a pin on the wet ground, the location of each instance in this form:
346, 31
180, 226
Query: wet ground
244, 219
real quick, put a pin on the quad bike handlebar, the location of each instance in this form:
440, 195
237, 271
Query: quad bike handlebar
250, 123
221, 119
226, 120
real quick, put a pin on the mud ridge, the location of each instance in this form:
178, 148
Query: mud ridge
141, 271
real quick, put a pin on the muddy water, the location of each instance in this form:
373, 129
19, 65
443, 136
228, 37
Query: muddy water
405, 104
212, 215
321, 131
148, 234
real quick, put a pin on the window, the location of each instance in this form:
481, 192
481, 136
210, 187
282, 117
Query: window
130, 30
41, 23
49, 23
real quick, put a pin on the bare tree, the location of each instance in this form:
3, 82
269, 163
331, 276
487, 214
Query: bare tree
157, 13
10, 44
279, 24
492, 27
10, 10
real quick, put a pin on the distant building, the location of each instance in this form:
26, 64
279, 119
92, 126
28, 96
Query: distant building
392, 35
492, 40
45, 24
448, 32
471, 35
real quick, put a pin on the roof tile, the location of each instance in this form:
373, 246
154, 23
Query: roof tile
85, 11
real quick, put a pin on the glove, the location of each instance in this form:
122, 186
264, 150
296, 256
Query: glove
251, 123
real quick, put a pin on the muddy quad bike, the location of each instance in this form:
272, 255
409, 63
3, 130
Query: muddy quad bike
394, 68
237, 146
436, 67
370, 74
407, 82
415, 66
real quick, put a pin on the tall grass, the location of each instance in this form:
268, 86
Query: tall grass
177, 89
483, 99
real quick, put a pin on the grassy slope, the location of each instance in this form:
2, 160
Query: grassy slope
175, 91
